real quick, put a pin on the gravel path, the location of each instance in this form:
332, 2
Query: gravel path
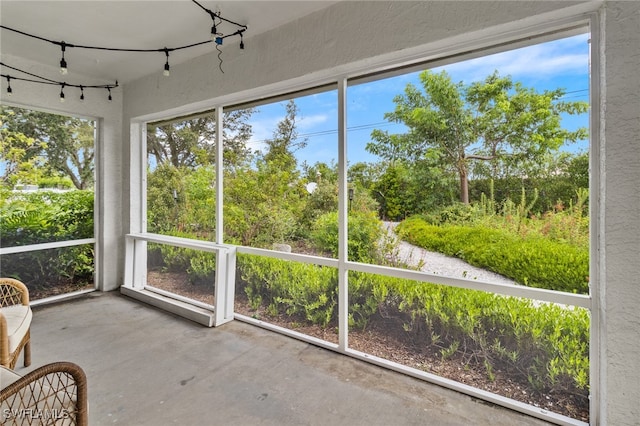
440, 264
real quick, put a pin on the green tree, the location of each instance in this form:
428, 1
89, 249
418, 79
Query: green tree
191, 142
284, 143
19, 157
496, 121
390, 190
262, 204
49, 142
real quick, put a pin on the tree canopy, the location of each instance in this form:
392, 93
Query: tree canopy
34, 142
496, 121
191, 142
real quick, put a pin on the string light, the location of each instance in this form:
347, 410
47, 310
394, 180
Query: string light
44, 80
215, 37
166, 72
214, 31
63, 63
109, 98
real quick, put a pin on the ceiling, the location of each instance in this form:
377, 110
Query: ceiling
132, 25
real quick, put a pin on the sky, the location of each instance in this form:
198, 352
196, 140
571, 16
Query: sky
563, 63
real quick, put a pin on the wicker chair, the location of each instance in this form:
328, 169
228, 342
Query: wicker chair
54, 394
15, 322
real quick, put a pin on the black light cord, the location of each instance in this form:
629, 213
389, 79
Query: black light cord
217, 38
64, 44
216, 15
45, 80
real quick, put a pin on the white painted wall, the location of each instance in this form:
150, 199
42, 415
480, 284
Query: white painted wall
108, 161
620, 221
321, 44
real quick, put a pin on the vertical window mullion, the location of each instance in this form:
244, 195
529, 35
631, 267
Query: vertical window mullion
343, 255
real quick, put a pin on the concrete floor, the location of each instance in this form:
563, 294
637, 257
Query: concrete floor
148, 367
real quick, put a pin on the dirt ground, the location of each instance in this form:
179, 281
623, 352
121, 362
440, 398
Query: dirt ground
386, 339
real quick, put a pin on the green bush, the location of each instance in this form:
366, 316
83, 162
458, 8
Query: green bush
543, 344
33, 218
296, 289
200, 266
533, 260
365, 232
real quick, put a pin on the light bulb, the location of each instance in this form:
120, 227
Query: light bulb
63, 63
166, 72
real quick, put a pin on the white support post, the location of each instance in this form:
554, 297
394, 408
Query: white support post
225, 285
219, 177
220, 287
129, 250
139, 264
343, 273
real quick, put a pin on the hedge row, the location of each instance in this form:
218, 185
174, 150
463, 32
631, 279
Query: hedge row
544, 344
532, 261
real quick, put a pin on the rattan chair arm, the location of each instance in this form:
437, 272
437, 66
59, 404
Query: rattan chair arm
24, 291
78, 375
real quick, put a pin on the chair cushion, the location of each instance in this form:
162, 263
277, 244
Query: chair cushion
18, 319
7, 377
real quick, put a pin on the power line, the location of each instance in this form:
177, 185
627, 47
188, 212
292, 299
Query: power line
335, 131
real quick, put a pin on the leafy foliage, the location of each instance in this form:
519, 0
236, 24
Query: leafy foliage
296, 289
38, 144
495, 121
542, 344
46, 217
533, 261
191, 143
364, 233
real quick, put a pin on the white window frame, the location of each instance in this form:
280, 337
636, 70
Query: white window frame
69, 243
429, 56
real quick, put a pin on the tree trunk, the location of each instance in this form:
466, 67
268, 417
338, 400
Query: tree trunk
464, 185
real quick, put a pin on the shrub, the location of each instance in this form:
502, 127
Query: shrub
532, 260
200, 266
291, 288
542, 344
365, 232
41, 217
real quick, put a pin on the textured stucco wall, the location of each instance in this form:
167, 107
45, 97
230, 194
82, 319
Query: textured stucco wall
620, 245
325, 40
108, 160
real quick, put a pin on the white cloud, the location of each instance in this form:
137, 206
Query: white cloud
262, 129
540, 61
307, 122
